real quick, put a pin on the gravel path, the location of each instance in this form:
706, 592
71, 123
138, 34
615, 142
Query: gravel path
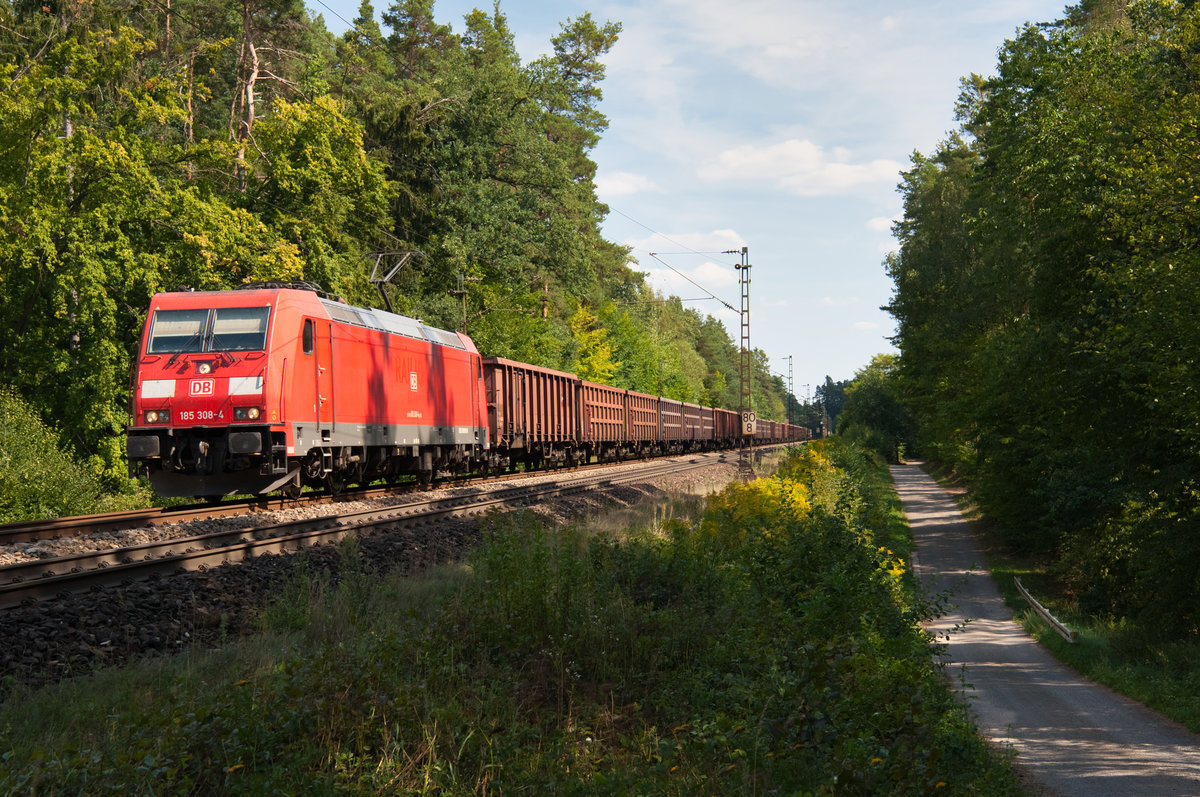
1072, 736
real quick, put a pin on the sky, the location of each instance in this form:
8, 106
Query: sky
777, 125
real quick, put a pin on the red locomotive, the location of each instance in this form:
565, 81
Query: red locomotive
273, 387
250, 391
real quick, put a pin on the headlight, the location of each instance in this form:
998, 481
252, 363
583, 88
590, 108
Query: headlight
204, 367
246, 413
158, 416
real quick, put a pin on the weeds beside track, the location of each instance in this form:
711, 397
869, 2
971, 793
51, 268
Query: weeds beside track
766, 644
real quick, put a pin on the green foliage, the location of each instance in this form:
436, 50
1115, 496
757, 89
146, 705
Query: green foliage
831, 398
247, 144
769, 645
1045, 289
593, 358
1131, 656
318, 187
38, 479
102, 204
873, 415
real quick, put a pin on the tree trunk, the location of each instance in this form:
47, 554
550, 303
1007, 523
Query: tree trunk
244, 104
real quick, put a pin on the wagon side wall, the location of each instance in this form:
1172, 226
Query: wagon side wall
530, 406
603, 413
643, 417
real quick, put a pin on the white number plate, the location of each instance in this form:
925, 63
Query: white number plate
201, 415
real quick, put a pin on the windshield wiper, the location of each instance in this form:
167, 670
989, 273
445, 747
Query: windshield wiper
185, 348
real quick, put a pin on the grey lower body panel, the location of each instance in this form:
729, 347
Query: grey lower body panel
308, 435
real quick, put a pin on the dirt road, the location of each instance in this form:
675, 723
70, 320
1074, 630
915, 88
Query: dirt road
1072, 736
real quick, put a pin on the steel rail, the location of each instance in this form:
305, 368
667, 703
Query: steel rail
79, 525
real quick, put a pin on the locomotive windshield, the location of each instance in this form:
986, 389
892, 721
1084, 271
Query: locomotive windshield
219, 329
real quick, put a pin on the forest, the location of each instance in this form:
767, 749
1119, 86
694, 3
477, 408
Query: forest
1046, 288
185, 143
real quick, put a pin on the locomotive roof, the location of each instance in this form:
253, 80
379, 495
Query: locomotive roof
391, 322
368, 318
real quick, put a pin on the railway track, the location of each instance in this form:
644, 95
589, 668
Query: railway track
81, 525
41, 579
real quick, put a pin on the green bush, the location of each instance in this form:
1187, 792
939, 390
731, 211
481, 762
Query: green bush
38, 478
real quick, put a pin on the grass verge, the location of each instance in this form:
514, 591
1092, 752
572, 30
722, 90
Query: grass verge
764, 642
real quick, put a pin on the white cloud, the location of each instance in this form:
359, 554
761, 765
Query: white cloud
802, 168
853, 73
765, 38
696, 281
714, 276
881, 224
866, 325
648, 50
623, 184
829, 301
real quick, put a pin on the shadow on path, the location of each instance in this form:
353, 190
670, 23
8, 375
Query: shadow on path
1072, 736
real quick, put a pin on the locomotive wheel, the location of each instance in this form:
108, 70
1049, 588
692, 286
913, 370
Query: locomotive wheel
336, 482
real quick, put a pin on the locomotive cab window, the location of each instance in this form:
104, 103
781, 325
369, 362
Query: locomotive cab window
307, 337
240, 329
175, 331
197, 330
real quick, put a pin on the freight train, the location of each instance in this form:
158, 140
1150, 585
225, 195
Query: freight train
273, 387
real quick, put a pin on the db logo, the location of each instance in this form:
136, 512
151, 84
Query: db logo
202, 387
